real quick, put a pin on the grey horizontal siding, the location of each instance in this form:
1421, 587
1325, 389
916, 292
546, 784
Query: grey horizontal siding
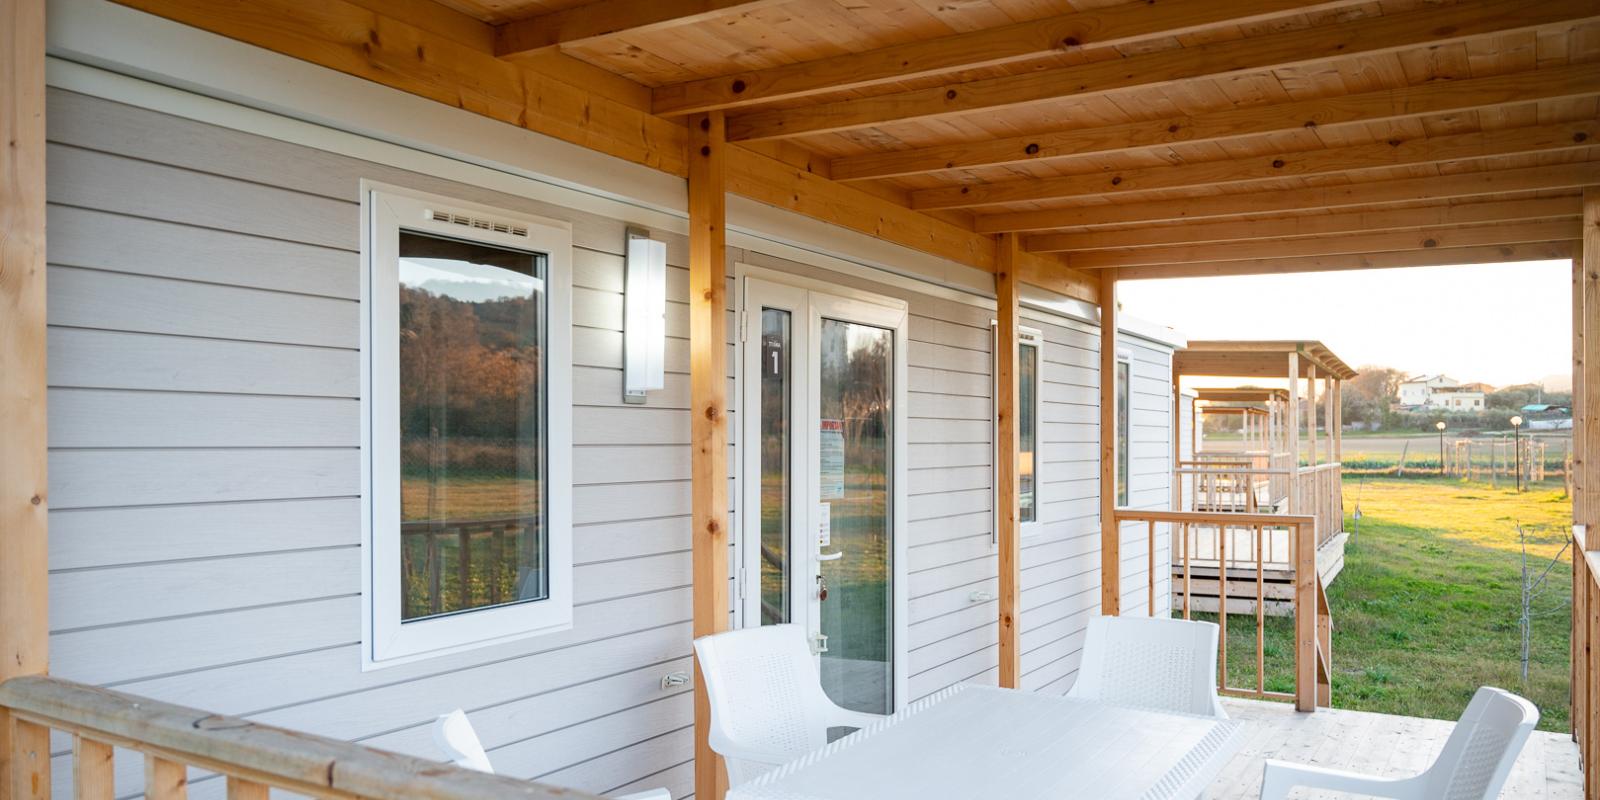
205, 470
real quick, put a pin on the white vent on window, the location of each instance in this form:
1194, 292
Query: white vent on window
478, 222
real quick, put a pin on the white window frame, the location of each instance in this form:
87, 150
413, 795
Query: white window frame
386, 639
1035, 338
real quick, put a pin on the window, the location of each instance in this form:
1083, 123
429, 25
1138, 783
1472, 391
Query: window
1030, 368
468, 418
1124, 429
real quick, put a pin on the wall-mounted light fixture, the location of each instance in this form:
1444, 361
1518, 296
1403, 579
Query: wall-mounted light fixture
644, 326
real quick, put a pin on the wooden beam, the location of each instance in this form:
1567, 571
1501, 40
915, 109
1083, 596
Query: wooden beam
24, 488
1110, 529
1008, 517
1407, 190
582, 24
1424, 217
1430, 26
1436, 257
1586, 417
1394, 241
346, 37
708, 434
1063, 33
1277, 166
1438, 97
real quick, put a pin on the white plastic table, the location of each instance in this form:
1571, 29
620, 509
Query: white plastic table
981, 742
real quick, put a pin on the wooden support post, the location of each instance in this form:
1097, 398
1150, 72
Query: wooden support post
1008, 516
1305, 616
1586, 481
1110, 530
708, 426
1311, 415
1580, 652
24, 564
1291, 433
1330, 388
1337, 429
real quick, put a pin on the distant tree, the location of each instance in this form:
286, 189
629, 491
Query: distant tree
1368, 396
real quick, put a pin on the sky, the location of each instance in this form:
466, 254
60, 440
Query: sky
1500, 324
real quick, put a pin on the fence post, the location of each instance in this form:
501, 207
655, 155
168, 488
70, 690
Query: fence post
1305, 617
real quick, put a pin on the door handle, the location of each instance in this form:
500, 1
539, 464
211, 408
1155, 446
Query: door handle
830, 556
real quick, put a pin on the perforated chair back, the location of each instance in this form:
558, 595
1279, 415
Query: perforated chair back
1150, 662
766, 697
1478, 756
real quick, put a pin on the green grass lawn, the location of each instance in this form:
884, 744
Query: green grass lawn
1426, 608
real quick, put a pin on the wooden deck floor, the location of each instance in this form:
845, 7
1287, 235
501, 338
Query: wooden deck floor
1380, 744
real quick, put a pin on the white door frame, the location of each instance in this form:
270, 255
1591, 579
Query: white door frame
814, 299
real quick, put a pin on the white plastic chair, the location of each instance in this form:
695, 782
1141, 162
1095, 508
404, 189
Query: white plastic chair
1474, 764
454, 735
767, 702
1151, 662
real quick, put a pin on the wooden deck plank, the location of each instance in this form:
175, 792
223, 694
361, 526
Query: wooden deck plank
1380, 744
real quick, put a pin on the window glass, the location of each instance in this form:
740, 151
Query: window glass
775, 478
472, 446
1124, 375
1027, 429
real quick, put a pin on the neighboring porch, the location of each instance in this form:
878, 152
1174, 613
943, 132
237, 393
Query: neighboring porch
1276, 458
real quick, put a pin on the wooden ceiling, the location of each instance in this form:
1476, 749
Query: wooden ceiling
1157, 137
1259, 359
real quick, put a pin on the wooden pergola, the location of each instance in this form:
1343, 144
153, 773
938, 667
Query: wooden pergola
1066, 145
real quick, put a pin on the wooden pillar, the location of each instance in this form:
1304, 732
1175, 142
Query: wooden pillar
1009, 514
24, 564
708, 426
1336, 421
1330, 430
1586, 481
1311, 414
1291, 431
1110, 531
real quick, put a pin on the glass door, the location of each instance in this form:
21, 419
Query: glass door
855, 396
821, 376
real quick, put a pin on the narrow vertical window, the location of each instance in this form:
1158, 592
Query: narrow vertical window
1124, 430
468, 402
1030, 391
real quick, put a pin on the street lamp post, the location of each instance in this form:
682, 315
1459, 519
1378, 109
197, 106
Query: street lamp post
1440, 426
1516, 446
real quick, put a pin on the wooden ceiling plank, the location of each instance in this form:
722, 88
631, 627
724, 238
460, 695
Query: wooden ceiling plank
1390, 241
357, 41
1435, 257
1409, 190
1070, 32
1425, 27
1439, 97
1309, 225
604, 18
1276, 166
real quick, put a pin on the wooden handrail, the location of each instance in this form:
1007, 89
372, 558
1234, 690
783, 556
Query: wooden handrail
1313, 624
250, 754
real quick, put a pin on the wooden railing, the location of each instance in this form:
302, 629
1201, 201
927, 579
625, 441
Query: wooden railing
1586, 657
1241, 577
253, 758
1319, 492
1218, 485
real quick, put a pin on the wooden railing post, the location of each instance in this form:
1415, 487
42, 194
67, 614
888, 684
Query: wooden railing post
24, 564
1305, 617
708, 434
1008, 512
1110, 531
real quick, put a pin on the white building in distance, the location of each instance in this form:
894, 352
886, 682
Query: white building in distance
1441, 392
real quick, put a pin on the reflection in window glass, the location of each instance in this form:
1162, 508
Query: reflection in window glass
1123, 431
856, 400
1027, 428
775, 444
472, 460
